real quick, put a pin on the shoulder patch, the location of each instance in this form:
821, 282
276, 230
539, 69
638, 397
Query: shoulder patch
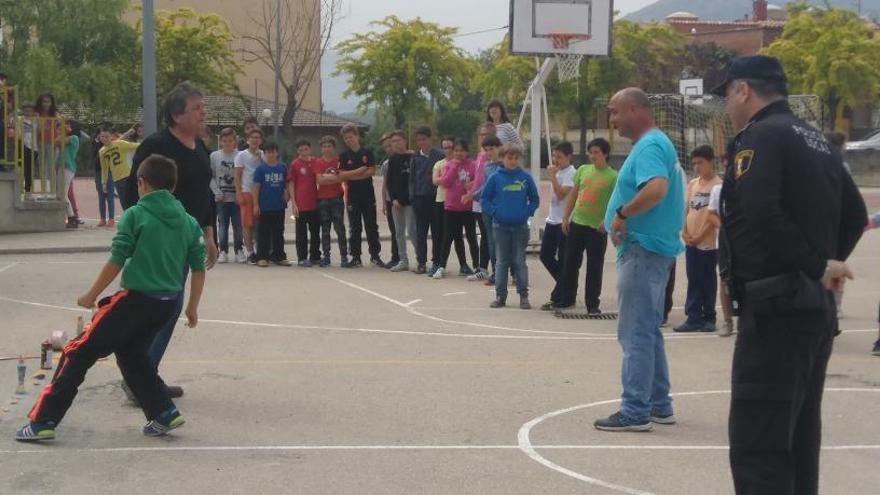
743, 162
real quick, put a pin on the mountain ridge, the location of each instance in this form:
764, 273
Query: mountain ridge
731, 10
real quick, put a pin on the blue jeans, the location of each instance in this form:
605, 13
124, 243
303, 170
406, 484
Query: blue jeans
229, 212
641, 288
510, 256
702, 285
163, 338
490, 240
106, 199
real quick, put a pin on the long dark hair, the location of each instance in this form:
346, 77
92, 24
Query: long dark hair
53, 109
496, 104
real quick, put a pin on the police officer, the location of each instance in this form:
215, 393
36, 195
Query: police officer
791, 216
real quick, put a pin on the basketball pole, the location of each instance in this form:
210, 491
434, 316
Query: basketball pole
148, 61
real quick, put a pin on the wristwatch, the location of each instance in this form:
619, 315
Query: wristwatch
619, 212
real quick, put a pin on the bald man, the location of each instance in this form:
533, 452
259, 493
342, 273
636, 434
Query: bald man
644, 220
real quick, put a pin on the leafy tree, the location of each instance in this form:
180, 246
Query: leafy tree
831, 53
503, 76
406, 69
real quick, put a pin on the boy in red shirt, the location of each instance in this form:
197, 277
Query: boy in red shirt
331, 201
302, 184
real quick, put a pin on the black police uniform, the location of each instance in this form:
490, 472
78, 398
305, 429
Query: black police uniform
788, 206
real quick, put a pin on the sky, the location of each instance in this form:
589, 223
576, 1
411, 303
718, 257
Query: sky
468, 15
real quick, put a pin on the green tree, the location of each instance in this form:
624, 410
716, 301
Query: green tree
831, 53
405, 69
503, 76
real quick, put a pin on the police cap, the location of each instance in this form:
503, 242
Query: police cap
755, 67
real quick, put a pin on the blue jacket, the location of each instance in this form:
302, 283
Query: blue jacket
510, 197
421, 171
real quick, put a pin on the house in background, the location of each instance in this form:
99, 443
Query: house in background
745, 37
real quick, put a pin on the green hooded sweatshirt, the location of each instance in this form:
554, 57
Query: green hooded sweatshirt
155, 239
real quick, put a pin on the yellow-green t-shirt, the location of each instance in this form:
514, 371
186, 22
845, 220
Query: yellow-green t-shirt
593, 188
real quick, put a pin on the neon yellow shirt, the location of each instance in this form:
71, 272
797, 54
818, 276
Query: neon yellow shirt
116, 159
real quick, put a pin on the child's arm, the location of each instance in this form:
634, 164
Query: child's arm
237, 173
197, 284
291, 193
534, 196
255, 192
107, 275
569, 209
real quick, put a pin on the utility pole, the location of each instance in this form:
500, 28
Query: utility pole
148, 61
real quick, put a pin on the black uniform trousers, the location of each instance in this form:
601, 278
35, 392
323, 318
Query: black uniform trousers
582, 238
484, 241
308, 236
775, 428
438, 247
423, 207
362, 217
553, 255
270, 236
456, 221
125, 324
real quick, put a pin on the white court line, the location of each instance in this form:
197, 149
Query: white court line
290, 448
414, 301
7, 267
525, 443
448, 294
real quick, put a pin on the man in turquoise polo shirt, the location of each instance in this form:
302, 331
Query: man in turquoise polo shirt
644, 220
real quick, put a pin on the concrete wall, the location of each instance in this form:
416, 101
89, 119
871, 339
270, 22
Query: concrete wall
17, 215
865, 165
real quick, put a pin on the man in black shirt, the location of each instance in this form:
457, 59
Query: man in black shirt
184, 114
358, 165
398, 190
423, 194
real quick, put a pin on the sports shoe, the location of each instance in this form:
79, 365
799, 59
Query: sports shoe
262, 263
562, 306
102, 223
465, 271
111, 222
36, 432
594, 311
524, 303
709, 327
421, 270
252, 259
284, 262
325, 262
478, 276
548, 306
662, 419
403, 266
392, 263
688, 327
876, 350
356, 262
439, 273
240, 257
726, 329
377, 262
499, 302
664, 324
222, 258
616, 422
433, 270
344, 263
164, 423
174, 391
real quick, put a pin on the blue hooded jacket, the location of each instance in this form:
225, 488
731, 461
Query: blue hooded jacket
510, 197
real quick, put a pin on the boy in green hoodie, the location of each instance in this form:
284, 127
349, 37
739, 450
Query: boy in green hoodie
154, 240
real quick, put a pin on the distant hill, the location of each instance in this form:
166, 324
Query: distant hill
730, 10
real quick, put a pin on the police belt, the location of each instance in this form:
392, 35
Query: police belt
784, 294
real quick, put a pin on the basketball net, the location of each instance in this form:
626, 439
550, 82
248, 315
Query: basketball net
568, 64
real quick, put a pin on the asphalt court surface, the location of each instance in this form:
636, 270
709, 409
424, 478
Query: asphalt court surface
363, 381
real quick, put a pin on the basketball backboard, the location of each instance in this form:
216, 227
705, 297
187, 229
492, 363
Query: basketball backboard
533, 22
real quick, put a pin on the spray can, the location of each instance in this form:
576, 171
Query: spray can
22, 371
46, 355
80, 325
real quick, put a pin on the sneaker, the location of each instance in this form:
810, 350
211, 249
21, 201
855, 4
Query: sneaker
709, 327
439, 273
240, 257
325, 262
433, 270
616, 422
490, 282
664, 324
499, 302
111, 222
421, 270
356, 262
72, 223
688, 327
164, 423
301, 263
524, 303
36, 432
548, 306
252, 259
478, 276
465, 271
726, 329
403, 266
377, 262
562, 306
392, 263
594, 311
284, 262
102, 223
876, 350
174, 391
344, 263
662, 419
262, 263
222, 258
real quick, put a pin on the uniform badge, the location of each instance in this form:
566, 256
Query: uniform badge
743, 162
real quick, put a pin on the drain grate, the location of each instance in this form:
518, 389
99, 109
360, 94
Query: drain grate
585, 316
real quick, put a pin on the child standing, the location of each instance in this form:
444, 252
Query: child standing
331, 201
223, 187
71, 149
491, 146
270, 196
246, 163
510, 197
458, 174
701, 239
303, 189
552, 255
154, 239
448, 147
116, 163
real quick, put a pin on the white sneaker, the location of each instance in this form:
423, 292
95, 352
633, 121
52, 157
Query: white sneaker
439, 274
223, 258
726, 329
403, 266
479, 276
240, 257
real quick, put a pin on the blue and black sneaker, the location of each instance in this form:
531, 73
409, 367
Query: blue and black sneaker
164, 423
325, 262
36, 432
617, 422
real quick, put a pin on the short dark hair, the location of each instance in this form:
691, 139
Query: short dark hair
175, 101
251, 120
451, 139
491, 141
424, 131
705, 152
256, 131
328, 140
349, 129
398, 133
270, 146
303, 142
159, 171
463, 144
226, 132
511, 149
768, 88
565, 148
500, 106
601, 143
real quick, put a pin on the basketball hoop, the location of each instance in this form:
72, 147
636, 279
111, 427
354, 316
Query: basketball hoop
568, 64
